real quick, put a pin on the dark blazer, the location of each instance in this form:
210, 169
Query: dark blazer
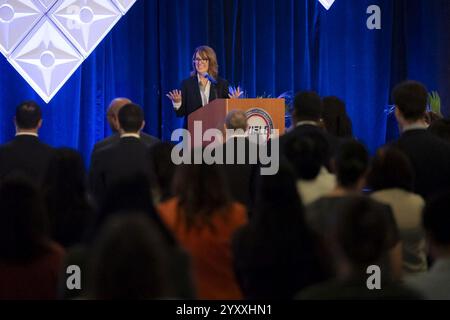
430, 157
147, 139
123, 159
192, 99
26, 155
239, 176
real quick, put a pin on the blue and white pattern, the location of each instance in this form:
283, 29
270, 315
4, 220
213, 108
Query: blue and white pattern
47, 40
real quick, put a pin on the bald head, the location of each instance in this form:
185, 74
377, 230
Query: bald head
236, 119
113, 112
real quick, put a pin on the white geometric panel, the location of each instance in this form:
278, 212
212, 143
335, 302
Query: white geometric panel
17, 17
47, 40
47, 3
46, 59
85, 22
327, 3
124, 5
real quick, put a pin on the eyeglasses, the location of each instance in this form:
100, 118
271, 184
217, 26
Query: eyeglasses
198, 60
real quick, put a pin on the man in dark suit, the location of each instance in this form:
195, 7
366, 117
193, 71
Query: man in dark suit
429, 155
306, 117
112, 116
124, 159
25, 154
238, 168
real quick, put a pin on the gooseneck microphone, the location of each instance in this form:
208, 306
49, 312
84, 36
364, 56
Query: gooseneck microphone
210, 78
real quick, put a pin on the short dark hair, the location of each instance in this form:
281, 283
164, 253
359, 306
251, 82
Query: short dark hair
352, 161
436, 218
28, 115
131, 117
411, 98
308, 106
391, 168
307, 154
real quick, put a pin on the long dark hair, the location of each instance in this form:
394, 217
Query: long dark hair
335, 117
23, 221
202, 192
391, 168
278, 219
127, 195
66, 197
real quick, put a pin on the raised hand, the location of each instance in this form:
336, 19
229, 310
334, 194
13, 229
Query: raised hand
235, 93
175, 96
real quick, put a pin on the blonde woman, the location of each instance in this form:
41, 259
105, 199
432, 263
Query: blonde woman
203, 86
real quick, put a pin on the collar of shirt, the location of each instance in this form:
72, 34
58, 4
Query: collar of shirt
415, 126
312, 123
130, 135
205, 93
27, 134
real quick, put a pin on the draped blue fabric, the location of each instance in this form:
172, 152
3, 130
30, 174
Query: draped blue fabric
268, 47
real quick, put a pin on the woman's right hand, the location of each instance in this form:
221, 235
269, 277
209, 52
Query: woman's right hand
175, 96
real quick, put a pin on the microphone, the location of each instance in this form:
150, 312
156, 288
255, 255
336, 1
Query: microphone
210, 78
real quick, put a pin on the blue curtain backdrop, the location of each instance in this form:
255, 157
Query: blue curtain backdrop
267, 46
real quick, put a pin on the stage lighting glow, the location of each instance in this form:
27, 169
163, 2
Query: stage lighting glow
47, 40
327, 3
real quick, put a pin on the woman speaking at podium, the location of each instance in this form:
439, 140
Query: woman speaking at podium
203, 86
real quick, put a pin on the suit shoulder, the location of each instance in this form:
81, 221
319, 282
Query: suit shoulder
105, 142
148, 139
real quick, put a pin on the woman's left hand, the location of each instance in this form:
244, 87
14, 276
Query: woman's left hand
235, 93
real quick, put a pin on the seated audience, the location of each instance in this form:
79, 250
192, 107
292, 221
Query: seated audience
203, 218
30, 263
276, 254
307, 154
308, 109
352, 165
434, 284
133, 195
129, 261
360, 240
391, 178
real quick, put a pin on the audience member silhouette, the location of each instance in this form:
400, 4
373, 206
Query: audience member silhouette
276, 254
30, 263
429, 155
26, 154
203, 218
391, 178
335, 118
65, 193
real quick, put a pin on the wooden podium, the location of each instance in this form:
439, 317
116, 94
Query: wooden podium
271, 111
